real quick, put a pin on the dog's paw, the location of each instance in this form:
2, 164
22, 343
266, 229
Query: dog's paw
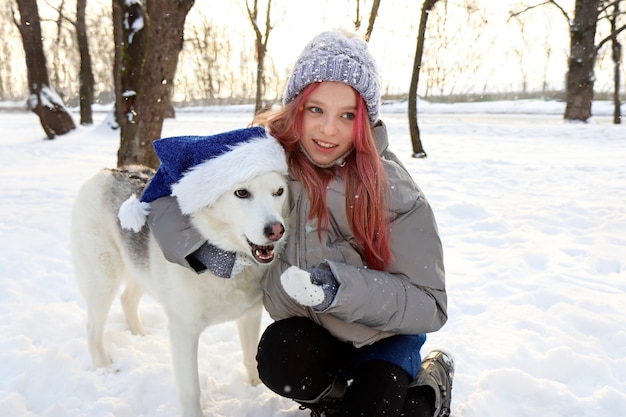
254, 381
252, 373
297, 284
101, 360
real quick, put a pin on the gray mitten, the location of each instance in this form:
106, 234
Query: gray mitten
221, 263
316, 289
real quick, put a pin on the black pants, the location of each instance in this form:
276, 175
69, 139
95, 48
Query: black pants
298, 359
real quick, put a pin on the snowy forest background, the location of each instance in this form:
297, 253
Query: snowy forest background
530, 206
474, 48
149, 39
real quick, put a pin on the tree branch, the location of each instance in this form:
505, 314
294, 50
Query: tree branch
59, 10
513, 14
610, 37
268, 24
370, 24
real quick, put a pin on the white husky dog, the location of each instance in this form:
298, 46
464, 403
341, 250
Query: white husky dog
243, 213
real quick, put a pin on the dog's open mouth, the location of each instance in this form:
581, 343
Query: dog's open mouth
262, 254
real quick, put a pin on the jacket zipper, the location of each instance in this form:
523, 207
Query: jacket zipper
299, 230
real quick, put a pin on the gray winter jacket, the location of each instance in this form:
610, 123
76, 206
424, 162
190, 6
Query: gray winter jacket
408, 298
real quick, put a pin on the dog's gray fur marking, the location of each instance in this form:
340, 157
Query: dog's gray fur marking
131, 180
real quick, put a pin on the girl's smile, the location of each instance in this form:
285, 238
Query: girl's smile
328, 122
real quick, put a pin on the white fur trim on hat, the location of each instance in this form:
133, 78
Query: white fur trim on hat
204, 183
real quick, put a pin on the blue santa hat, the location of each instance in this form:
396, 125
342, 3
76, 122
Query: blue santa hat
197, 170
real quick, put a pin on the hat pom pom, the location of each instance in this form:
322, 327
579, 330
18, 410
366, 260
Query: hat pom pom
132, 214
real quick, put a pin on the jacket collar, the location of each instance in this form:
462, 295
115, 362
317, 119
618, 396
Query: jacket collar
380, 137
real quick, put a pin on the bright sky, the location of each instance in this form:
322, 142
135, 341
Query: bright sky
395, 33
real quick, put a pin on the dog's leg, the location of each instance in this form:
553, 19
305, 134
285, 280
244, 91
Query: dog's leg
98, 293
249, 327
184, 341
96, 319
130, 304
98, 280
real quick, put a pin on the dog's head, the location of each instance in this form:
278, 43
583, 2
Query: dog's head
233, 185
249, 218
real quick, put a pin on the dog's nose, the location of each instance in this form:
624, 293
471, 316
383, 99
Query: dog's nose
274, 231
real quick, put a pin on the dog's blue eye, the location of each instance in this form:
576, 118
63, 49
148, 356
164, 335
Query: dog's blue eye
242, 193
279, 192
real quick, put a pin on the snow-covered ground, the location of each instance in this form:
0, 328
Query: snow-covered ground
532, 215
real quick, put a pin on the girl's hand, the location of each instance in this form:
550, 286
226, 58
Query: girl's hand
316, 289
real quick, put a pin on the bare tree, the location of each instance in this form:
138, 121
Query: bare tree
584, 51
580, 75
59, 61
357, 16
372, 19
85, 77
520, 52
203, 38
453, 56
548, 49
85, 74
441, 71
616, 55
43, 100
418, 149
370, 23
148, 40
260, 47
10, 85
101, 50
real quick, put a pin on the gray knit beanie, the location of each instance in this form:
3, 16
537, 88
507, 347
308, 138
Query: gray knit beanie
337, 56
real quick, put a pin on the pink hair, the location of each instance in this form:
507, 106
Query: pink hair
364, 176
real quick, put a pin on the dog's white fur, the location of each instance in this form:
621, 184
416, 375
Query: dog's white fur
105, 257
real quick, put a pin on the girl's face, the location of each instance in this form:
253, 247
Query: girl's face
327, 122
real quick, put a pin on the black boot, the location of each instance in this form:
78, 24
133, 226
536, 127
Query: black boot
328, 402
437, 372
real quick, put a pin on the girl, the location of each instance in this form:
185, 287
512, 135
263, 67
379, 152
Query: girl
362, 277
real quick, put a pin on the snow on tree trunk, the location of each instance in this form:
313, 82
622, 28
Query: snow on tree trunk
148, 41
43, 100
53, 115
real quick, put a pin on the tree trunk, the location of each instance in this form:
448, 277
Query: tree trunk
616, 55
418, 149
85, 73
617, 103
370, 23
583, 53
148, 42
43, 100
261, 49
260, 76
130, 49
